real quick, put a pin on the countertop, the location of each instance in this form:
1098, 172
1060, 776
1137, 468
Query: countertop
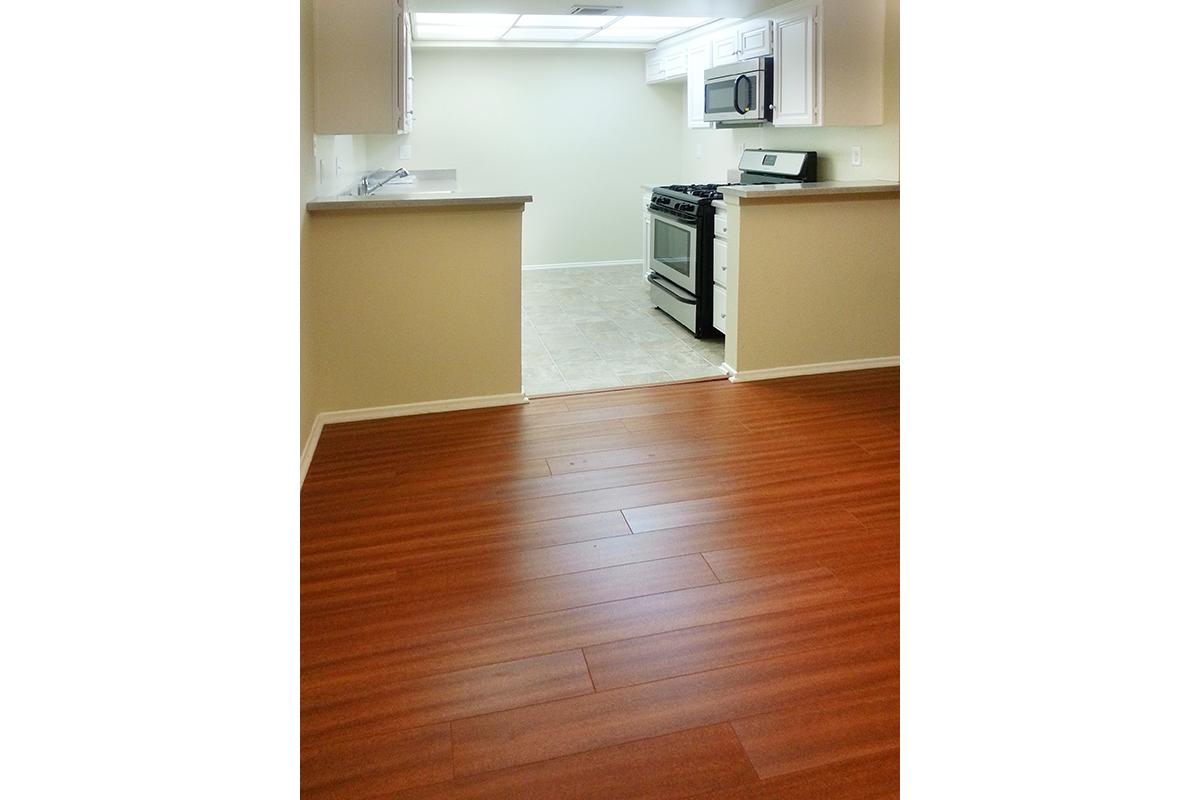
425, 189
815, 189
416, 199
773, 190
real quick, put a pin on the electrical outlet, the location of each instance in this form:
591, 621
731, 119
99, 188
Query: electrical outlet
856, 156
405, 151
699, 151
337, 165
321, 171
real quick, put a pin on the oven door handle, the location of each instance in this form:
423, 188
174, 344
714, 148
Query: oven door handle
672, 220
736, 84
665, 285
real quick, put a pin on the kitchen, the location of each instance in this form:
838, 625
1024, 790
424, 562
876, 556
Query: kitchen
486, 586
648, 265
586, 129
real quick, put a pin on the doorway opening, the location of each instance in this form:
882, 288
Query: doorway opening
596, 327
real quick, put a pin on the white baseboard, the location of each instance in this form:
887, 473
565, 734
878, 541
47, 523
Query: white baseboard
810, 369
408, 409
578, 264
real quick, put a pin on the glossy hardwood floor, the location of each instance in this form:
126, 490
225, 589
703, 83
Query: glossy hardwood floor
670, 592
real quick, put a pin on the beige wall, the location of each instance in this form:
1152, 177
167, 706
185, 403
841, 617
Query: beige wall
410, 306
719, 150
352, 152
547, 122
308, 187
813, 281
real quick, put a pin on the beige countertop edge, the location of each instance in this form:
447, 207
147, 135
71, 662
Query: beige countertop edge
373, 204
773, 191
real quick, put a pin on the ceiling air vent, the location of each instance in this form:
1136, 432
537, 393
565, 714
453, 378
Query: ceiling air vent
593, 10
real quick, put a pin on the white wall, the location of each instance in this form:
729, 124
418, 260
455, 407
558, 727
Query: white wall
347, 150
578, 129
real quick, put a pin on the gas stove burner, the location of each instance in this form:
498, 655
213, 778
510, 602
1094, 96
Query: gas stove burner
704, 191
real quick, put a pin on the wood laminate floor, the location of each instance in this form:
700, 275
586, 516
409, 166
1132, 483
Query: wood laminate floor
671, 592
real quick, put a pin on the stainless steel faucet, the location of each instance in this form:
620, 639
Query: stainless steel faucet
367, 186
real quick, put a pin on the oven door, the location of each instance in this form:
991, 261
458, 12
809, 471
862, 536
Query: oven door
673, 250
735, 98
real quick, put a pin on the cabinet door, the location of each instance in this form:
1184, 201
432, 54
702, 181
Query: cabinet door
725, 47
404, 80
754, 39
655, 70
720, 308
675, 63
699, 58
796, 99
720, 262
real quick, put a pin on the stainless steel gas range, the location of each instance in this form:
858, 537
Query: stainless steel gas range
679, 253
680, 248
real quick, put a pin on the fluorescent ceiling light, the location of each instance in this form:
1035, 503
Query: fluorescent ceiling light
612, 34
549, 27
466, 20
460, 33
563, 21
545, 34
674, 23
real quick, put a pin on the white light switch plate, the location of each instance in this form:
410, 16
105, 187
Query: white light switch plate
405, 151
856, 156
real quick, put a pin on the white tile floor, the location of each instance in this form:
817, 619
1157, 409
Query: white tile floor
596, 328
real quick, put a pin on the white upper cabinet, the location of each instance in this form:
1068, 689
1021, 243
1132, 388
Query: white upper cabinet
675, 62
655, 69
749, 40
725, 47
796, 100
828, 61
405, 74
361, 67
699, 58
754, 39
666, 65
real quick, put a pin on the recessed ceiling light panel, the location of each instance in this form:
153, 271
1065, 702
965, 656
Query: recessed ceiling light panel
549, 27
674, 23
466, 20
546, 34
644, 35
561, 21
459, 33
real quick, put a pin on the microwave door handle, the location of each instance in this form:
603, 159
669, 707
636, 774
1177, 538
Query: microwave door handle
736, 85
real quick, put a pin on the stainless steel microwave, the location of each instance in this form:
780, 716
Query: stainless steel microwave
740, 93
